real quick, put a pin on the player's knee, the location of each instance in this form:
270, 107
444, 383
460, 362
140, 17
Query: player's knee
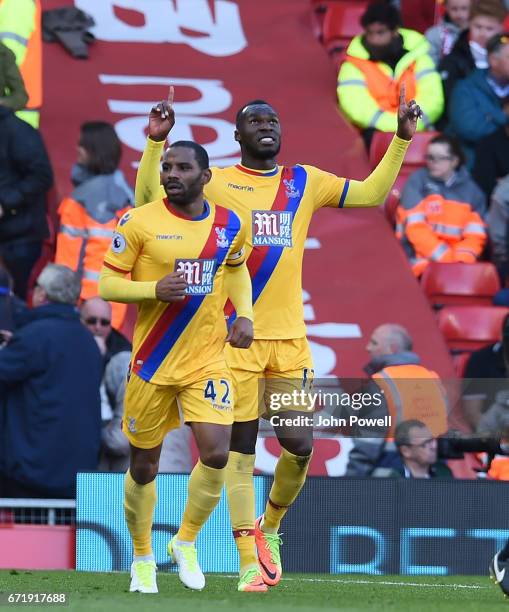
214, 458
144, 472
243, 439
300, 447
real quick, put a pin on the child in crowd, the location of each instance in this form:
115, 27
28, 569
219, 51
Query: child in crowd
442, 36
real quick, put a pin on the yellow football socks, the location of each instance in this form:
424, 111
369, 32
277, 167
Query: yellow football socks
241, 503
289, 478
139, 504
204, 491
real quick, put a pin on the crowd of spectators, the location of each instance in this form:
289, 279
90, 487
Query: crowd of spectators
459, 72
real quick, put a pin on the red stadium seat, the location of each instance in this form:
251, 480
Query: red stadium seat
393, 199
318, 10
341, 23
469, 328
419, 14
460, 283
460, 363
414, 157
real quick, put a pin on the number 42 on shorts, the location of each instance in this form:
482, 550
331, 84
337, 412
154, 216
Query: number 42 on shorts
218, 393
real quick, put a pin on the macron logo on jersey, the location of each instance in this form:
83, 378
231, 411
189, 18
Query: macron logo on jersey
198, 274
272, 228
241, 187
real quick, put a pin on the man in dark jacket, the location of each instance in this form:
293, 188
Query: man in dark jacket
50, 375
476, 108
492, 157
25, 177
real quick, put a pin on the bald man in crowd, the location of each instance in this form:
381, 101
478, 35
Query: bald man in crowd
116, 350
401, 389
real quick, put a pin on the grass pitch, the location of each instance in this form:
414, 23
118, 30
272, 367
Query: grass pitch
296, 593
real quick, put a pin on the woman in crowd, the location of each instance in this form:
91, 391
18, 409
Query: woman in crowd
89, 216
440, 216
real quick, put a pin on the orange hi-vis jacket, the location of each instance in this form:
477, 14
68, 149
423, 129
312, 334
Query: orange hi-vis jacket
441, 230
384, 88
499, 469
413, 392
87, 222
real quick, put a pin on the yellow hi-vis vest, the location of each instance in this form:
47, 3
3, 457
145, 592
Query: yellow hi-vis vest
20, 30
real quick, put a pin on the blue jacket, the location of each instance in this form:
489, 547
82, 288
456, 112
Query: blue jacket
475, 111
50, 376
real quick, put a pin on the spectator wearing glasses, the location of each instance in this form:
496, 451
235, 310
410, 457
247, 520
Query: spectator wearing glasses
441, 213
116, 350
418, 454
96, 316
409, 391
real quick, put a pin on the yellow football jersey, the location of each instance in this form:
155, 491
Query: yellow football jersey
276, 208
172, 341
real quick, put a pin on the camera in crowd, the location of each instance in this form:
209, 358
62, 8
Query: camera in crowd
454, 444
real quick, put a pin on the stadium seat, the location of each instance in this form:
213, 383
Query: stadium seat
393, 199
414, 157
319, 9
469, 328
460, 283
460, 363
419, 14
341, 23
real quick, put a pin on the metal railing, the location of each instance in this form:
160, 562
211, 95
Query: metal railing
38, 511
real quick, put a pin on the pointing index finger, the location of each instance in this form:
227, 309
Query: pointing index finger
402, 94
171, 95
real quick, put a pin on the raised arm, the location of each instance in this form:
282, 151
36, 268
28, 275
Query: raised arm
160, 121
373, 190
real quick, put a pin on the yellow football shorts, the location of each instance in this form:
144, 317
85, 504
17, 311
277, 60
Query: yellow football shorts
151, 411
270, 377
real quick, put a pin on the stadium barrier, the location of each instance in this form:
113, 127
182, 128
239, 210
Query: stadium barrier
337, 526
37, 533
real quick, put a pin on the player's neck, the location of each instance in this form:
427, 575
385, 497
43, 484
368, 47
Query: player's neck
194, 209
255, 163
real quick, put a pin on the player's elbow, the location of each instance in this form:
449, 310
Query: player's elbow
104, 285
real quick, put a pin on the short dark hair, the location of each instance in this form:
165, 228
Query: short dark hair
453, 144
495, 43
238, 116
103, 146
381, 12
401, 435
202, 157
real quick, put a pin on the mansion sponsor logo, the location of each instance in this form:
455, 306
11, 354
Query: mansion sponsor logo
272, 228
198, 274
